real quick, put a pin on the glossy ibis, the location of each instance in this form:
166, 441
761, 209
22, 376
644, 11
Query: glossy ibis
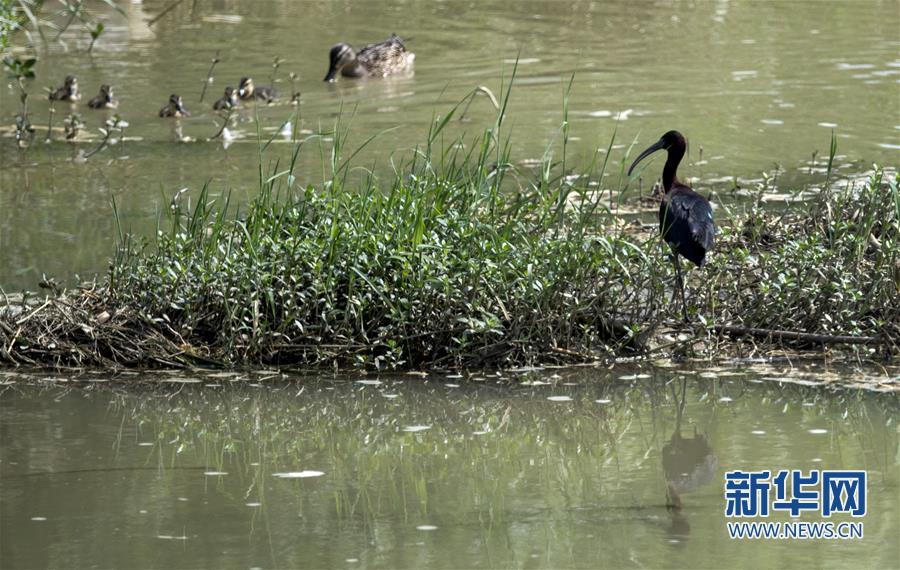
685, 217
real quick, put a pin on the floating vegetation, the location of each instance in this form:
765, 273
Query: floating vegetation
462, 260
559, 398
298, 474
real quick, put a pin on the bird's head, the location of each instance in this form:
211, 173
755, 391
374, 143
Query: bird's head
245, 87
176, 101
670, 140
339, 56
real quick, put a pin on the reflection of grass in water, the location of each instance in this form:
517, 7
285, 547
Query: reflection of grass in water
538, 459
545, 475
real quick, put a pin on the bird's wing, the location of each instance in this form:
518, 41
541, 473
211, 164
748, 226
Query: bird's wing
374, 54
700, 219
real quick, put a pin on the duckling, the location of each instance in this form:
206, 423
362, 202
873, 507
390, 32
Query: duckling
68, 92
377, 60
228, 100
247, 91
174, 108
104, 100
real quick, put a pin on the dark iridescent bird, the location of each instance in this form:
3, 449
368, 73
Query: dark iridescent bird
685, 217
389, 57
228, 100
68, 92
247, 91
104, 99
174, 108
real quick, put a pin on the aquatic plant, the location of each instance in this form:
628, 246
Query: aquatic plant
110, 126
96, 30
209, 74
437, 266
12, 18
21, 69
833, 269
461, 258
30, 17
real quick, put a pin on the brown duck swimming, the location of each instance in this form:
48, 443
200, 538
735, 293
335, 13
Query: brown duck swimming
104, 100
247, 91
68, 92
228, 100
389, 57
174, 108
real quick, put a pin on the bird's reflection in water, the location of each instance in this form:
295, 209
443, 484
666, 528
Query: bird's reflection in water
178, 132
688, 463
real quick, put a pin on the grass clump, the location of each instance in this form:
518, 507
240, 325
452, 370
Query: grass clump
831, 268
438, 267
458, 259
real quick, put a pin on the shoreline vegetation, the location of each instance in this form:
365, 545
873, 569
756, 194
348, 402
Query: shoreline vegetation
460, 260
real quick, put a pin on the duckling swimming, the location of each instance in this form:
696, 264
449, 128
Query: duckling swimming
228, 100
175, 107
104, 100
389, 57
248, 92
68, 92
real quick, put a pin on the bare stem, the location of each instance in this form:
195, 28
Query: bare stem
224, 125
108, 133
209, 75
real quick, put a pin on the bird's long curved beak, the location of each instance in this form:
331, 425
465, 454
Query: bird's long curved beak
658, 145
332, 71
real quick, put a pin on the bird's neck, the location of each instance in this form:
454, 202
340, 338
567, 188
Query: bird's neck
671, 168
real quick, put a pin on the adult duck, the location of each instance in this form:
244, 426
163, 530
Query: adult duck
389, 57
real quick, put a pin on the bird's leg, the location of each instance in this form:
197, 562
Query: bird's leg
680, 284
675, 285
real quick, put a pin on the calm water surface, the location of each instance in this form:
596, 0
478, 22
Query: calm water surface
542, 471
754, 84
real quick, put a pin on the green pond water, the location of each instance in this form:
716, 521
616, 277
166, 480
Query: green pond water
756, 85
532, 470
184, 469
